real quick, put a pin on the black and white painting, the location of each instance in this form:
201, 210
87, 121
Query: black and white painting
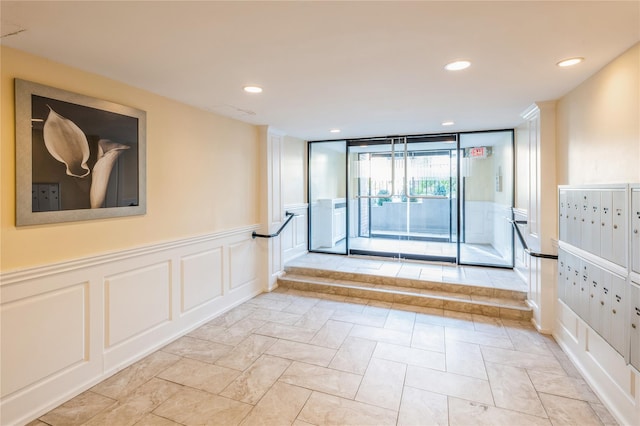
77, 157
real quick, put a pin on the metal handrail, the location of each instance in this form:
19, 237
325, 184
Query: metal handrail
515, 224
286, 222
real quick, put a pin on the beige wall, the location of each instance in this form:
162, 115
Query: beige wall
598, 126
294, 171
202, 172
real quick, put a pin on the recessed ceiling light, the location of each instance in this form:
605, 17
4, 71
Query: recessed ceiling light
252, 89
569, 62
448, 123
457, 65
335, 130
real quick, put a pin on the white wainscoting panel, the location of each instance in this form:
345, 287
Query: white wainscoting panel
606, 371
136, 301
294, 237
276, 262
521, 257
243, 263
300, 227
202, 278
69, 325
47, 332
568, 321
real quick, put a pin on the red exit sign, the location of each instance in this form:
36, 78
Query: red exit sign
478, 152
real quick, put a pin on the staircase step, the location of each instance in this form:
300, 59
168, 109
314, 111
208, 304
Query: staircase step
408, 283
387, 289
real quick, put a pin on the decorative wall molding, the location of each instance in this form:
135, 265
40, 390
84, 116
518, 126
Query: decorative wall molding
616, 383
68, 325
521, 257
123, 317
202, 278
294, 237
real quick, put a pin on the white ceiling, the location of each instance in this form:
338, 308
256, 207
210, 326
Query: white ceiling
368, 68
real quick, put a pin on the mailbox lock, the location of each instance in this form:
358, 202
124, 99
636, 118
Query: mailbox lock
615, 226
614, 311
602, 223
602, 303
633, 325
635, 231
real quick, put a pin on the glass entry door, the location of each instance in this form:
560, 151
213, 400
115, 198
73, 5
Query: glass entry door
402, 199
439, 198
487, 191
328, 197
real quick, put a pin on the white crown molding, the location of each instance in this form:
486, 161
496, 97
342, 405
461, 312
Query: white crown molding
535, 107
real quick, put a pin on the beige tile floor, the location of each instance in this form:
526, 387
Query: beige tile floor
293, 358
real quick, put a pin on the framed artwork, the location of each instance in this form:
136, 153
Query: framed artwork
77, 157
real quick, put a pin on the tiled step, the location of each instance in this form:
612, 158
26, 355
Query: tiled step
450, 296
421, 284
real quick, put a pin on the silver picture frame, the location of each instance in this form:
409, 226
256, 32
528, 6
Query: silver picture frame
77, 157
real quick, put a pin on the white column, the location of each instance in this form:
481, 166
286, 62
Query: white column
271, 202
541, 187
